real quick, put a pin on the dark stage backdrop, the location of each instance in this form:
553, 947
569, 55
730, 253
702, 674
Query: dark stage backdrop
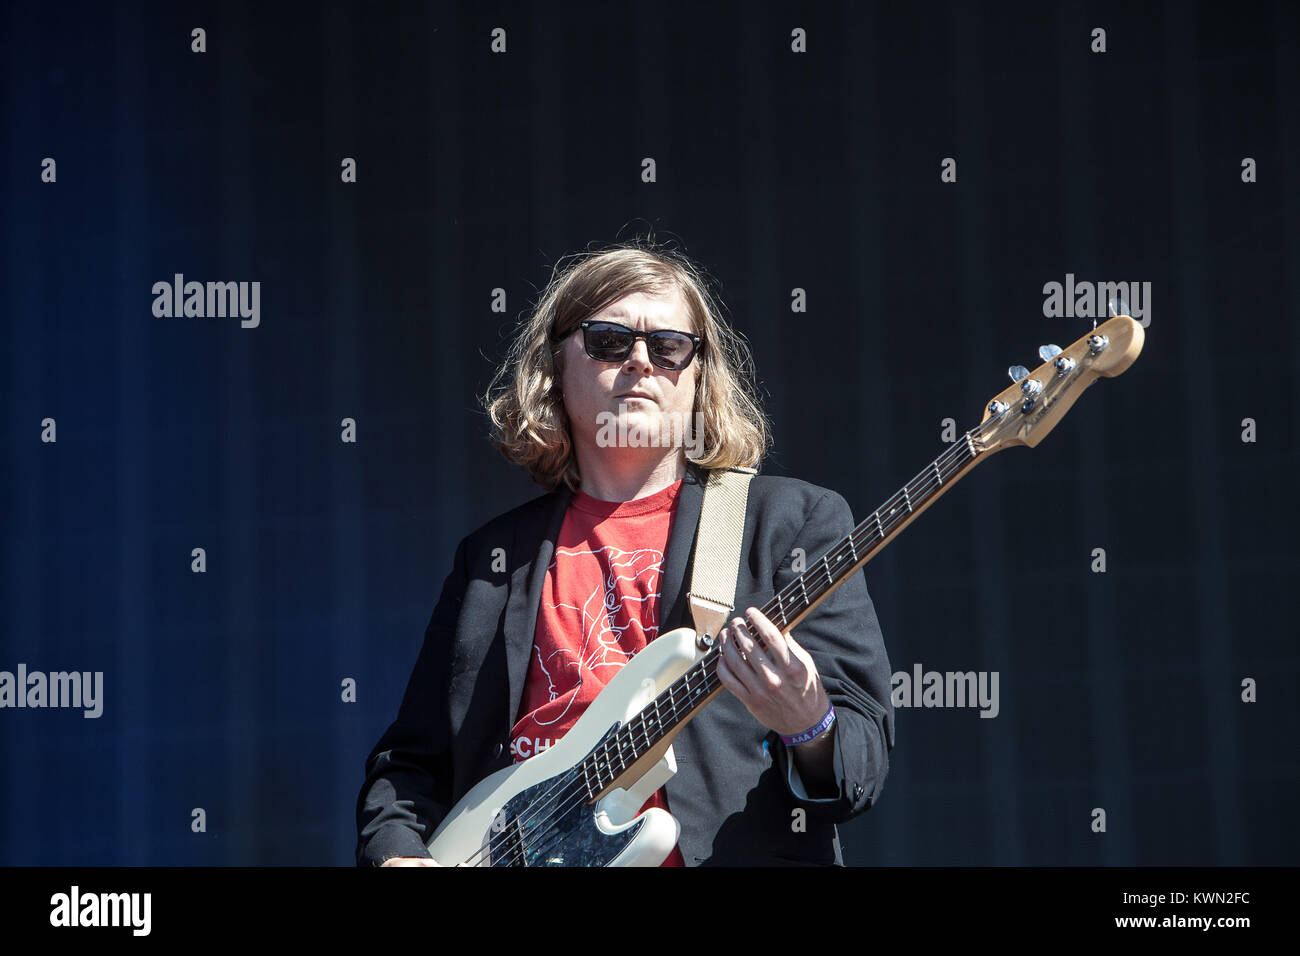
882, 193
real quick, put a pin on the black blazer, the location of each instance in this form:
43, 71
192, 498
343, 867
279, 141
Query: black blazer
733, 793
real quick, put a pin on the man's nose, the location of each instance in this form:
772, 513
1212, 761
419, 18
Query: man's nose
640, 354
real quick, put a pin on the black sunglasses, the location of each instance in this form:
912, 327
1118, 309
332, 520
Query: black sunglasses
611, 342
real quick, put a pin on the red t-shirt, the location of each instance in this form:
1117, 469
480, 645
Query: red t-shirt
600, 606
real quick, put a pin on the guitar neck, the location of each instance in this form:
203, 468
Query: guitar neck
648, 733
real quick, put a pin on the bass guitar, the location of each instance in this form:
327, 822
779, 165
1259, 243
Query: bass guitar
578, 803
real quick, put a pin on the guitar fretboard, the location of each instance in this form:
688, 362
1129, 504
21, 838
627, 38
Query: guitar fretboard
679, 702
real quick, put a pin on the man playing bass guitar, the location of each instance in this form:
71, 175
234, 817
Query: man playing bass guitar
545, 603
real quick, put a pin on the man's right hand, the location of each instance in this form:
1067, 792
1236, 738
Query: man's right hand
411, 861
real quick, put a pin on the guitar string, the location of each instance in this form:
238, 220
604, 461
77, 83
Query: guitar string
819, 578
547, 834
846, 550
543, 835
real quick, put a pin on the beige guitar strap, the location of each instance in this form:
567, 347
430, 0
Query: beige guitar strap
717, 547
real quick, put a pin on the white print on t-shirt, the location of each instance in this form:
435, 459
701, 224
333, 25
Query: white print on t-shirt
605, 616
521, 748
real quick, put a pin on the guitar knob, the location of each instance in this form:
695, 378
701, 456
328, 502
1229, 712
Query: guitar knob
1096, 343
1048, 352
1018, 372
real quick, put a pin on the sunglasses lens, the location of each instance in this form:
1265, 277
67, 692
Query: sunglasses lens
670, 350
607, 342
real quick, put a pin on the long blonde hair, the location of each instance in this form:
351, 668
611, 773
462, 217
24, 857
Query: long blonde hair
529, 424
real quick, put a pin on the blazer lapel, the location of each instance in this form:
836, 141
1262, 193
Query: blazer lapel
526, 580
536, 537
681, 543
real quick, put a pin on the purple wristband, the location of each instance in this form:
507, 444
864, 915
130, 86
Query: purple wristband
812, 733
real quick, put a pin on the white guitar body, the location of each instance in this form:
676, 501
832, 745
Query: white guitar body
532, 813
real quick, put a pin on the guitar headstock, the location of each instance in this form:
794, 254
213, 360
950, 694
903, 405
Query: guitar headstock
1025, 412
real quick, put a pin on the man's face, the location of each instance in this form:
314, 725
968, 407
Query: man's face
594, 391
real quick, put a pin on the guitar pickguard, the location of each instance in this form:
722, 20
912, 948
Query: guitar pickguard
552, 824
510, 818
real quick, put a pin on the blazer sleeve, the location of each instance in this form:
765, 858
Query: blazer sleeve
843, 637
407, 788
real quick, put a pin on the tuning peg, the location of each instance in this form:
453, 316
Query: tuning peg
1114, 307
1017, 372
1048, 352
